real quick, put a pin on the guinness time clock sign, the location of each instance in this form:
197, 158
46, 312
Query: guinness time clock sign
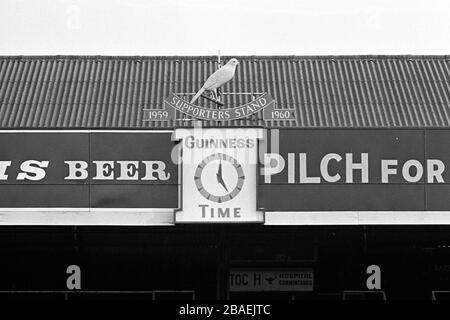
219, 175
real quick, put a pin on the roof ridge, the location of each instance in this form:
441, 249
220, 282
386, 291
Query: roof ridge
278, 57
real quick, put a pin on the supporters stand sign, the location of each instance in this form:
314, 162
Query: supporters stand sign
173, 103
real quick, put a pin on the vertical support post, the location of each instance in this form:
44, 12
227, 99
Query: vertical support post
219, 65
316, 261
316, 247
219, 91
219, 275
365, 239
222, 266
75, 239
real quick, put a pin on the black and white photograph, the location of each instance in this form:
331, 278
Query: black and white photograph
224, 159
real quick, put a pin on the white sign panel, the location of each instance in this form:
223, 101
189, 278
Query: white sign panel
243, 280
219, 175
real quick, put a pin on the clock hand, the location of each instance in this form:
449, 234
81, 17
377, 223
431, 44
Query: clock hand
220, 169
223, 184
219, 176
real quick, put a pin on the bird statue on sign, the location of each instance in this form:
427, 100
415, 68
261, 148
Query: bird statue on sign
218, 79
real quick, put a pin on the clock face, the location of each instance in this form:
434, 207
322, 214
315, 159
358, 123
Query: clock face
219, 177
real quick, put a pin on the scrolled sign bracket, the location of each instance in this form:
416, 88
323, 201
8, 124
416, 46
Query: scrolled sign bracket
177, 102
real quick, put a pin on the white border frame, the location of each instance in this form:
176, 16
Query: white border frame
86, 217
310, 218
85, 131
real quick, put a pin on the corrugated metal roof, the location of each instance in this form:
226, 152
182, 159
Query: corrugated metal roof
327, 91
